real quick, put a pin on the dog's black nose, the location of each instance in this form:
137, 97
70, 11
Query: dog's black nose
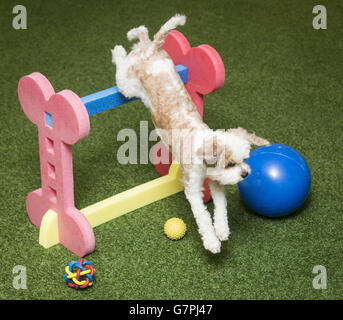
244, 174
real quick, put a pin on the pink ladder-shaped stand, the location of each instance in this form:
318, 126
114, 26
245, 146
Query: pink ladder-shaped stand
63, 119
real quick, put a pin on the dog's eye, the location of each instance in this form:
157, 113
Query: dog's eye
230, 165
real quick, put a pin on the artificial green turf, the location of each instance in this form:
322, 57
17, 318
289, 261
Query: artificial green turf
284, 81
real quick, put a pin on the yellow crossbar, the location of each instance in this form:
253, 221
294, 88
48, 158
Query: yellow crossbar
117, 205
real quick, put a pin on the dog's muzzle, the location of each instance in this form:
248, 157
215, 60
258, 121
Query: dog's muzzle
244, 174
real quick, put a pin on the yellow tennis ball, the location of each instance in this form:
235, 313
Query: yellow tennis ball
175, 228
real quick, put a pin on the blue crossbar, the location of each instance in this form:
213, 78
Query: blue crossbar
110, 98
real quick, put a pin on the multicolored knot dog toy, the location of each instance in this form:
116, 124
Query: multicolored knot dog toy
79, 274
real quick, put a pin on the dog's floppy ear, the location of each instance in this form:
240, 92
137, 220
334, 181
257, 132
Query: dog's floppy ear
251, 137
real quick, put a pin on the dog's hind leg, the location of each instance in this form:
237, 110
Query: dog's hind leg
118, 55
221, 225
140, 33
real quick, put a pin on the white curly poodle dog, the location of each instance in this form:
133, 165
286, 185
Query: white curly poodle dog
147, 72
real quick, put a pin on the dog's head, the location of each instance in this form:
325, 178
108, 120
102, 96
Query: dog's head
224, 154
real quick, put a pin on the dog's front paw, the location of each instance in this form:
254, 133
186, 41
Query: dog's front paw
222, 231
212, 244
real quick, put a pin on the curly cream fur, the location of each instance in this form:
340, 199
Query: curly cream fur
147, 72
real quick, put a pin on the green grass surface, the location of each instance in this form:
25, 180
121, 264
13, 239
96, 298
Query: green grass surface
284, 81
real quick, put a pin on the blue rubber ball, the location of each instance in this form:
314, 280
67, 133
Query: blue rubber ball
279, 181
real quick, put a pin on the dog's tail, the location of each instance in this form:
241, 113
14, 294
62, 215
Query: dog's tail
177, 20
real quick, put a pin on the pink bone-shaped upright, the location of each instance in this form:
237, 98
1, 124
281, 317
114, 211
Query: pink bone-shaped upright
206, 73
70, 124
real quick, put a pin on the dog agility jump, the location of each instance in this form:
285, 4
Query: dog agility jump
63, 119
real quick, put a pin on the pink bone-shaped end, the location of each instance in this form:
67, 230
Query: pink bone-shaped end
206, 73
70, 124
70, 117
